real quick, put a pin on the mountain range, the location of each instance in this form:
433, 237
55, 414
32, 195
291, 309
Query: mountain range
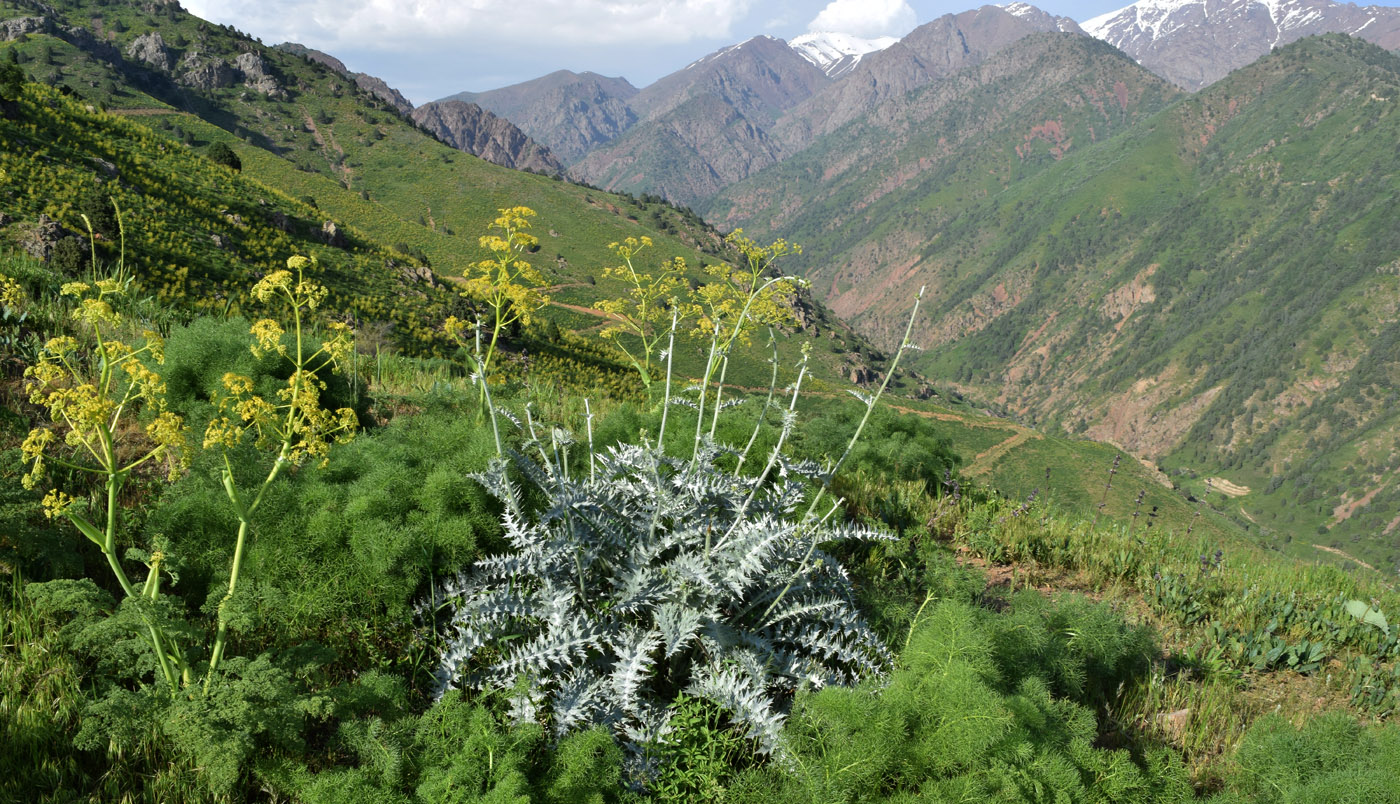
1205, 280
1106, 254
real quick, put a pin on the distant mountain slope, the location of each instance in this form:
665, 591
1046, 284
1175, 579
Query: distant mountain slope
837, 53
932, 51
760, 78
468, 127
1194, 43
705, 126
1215, 289
569, 113
865, 199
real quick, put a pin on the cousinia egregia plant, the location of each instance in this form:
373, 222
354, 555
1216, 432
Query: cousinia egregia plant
648, 575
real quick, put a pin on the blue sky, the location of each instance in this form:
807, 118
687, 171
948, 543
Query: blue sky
428, 49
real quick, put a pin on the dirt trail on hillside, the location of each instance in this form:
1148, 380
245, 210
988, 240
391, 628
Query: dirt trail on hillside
143, 112
982, 463
1348, 556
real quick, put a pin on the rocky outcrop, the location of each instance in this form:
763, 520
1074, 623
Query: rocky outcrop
257, 74
415, 274
368, 83
381, 90
470, 128
150, 49
40, 240
206, 74
16, 27
569, 113
332, 235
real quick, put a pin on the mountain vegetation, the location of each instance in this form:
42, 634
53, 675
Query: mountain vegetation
338, 465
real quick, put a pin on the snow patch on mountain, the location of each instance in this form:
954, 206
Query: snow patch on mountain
1159, 18
1026, 11
836, 53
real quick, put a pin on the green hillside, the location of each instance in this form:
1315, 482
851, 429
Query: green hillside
254, 563
349, 160
1212, 289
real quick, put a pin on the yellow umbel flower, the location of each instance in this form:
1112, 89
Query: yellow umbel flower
11, 294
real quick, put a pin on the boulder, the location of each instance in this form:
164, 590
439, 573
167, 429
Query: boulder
43, 237
257, 74
416, 274
332, 235
106, 168
207, 74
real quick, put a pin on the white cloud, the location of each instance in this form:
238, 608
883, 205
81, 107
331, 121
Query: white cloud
389, 24
865, 18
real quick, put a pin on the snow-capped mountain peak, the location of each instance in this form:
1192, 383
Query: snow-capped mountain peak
1195, 42
837, 53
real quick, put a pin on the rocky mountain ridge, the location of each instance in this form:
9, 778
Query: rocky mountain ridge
369, 83
468, 127
569, 113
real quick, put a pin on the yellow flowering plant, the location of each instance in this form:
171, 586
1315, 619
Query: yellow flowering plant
507, 284
92, 394
736, 301
294, 423
647, 308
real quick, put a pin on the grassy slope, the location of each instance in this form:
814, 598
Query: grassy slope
1213, 289
364, 166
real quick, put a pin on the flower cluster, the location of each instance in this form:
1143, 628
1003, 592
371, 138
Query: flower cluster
738, 300
86, 406
11, 295
295, 420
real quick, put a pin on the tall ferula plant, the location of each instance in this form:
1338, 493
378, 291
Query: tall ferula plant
643, 313
646, 576
507, 284
93, 393
294, 424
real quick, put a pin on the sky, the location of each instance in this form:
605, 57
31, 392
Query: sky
428, 49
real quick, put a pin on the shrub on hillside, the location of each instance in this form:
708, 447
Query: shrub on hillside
221, 154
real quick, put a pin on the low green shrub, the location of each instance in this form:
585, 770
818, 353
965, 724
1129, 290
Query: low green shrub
1330, 760
952, 725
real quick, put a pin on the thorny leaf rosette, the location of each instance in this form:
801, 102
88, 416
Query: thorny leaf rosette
651, 577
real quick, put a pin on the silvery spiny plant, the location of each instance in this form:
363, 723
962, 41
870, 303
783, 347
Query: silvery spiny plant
650, 575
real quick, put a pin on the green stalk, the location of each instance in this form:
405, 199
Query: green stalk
869, 405
666, 397
767, 403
